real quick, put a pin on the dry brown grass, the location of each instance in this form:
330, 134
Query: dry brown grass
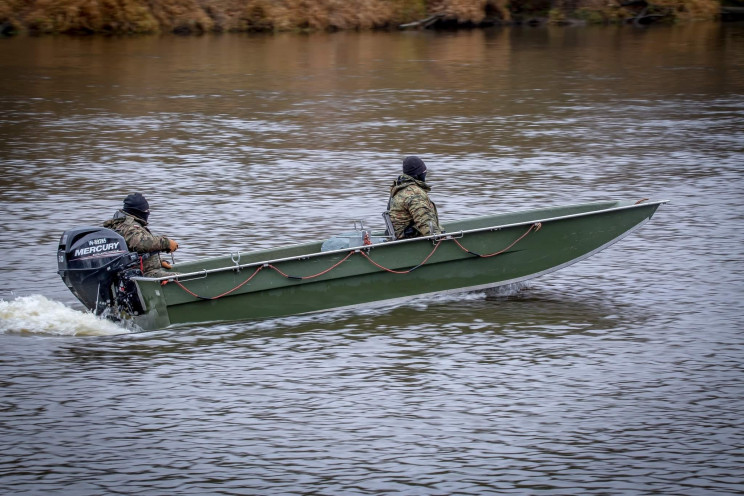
199, 16
81, 16
690, 10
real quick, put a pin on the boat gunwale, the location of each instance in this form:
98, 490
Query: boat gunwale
200, 274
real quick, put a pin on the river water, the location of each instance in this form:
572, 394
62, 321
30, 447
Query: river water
619, 375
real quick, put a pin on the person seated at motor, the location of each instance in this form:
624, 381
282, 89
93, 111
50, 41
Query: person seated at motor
412, 213
131, 223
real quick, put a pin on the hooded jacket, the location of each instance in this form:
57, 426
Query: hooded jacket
139, 239
410, 207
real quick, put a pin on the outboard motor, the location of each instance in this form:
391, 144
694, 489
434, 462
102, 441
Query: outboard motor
96, 265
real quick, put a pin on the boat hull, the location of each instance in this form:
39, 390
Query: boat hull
473, 254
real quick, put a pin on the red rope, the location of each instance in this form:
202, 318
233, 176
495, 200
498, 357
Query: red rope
314, 275
535, 226
223, 294
254, 275
402, 271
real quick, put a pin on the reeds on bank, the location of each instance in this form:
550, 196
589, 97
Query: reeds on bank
202, 16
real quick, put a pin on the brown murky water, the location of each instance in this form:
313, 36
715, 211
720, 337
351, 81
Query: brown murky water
620, 375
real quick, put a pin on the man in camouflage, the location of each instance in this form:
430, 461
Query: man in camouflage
130, 222
412, 213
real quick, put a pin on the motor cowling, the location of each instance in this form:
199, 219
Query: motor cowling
95, 264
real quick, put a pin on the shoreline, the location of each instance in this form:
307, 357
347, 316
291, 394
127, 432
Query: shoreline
195, 17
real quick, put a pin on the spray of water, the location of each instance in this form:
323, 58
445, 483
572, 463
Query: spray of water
36, 314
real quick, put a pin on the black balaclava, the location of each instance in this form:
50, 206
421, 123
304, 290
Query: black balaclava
136, 204
414, 167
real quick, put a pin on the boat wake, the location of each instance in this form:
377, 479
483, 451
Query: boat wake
506, 291
36, 314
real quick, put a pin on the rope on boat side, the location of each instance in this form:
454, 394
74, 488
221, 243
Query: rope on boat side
314, 275
365, 255
536, 226
223, 294
256, 272
533, 228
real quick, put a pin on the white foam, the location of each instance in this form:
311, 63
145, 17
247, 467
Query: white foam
36, 314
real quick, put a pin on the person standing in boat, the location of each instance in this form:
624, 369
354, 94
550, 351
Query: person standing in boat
131, 223
412, 213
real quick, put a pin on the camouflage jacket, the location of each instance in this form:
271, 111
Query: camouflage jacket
410, 206
139, 239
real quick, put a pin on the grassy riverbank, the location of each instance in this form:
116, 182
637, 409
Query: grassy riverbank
203, 16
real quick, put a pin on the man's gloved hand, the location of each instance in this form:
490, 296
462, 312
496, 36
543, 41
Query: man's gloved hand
165, 264
173, 246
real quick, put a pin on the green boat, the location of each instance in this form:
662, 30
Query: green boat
354, 268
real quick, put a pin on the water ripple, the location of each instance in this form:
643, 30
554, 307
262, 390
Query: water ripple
619, 375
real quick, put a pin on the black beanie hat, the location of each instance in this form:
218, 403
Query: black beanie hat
137, 205
413, 166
